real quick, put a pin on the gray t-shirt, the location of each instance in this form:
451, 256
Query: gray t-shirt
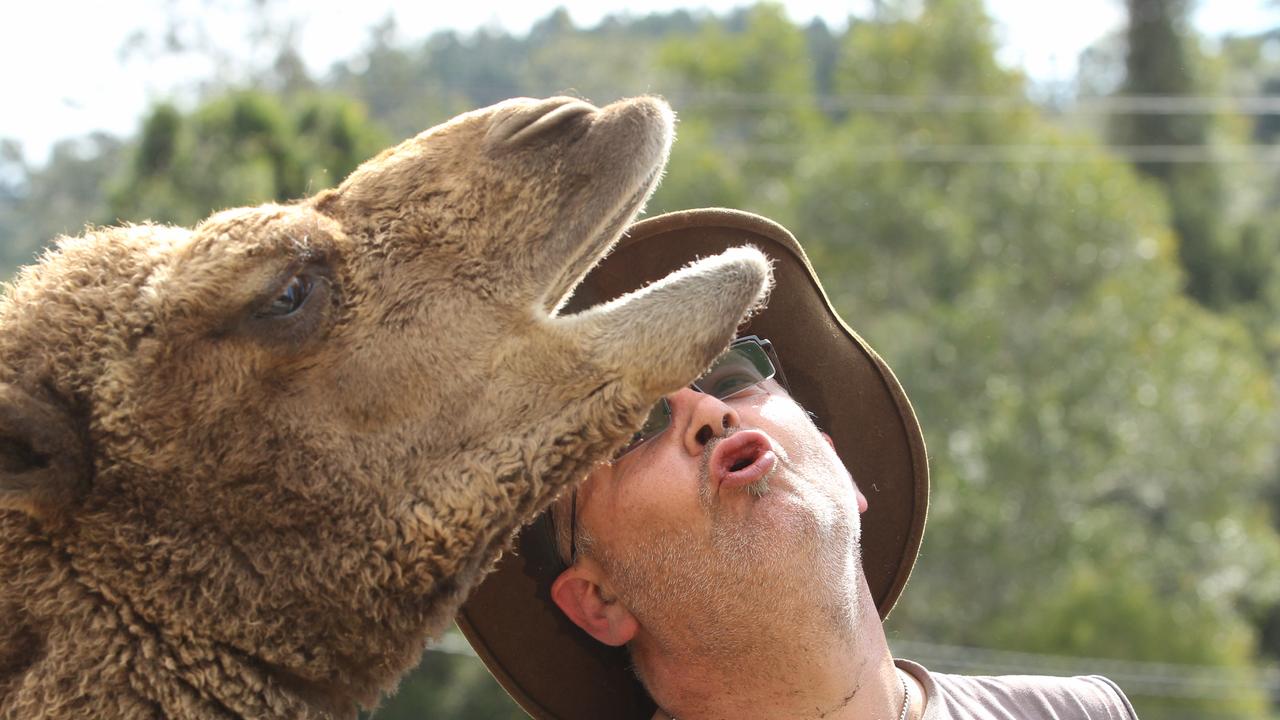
1019, 697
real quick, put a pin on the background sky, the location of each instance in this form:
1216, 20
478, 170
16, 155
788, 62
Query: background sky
72, 81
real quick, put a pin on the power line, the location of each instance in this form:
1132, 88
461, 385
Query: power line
1248, 105
1154, 679
953, 103
1136, 677
1045, 153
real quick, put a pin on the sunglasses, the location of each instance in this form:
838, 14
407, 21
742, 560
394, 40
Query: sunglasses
748, 362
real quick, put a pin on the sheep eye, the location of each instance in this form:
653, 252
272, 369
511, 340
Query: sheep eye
290, 298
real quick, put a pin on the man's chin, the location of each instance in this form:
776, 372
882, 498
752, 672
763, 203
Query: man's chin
759, 488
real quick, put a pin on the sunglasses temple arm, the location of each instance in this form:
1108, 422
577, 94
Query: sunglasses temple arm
777, 366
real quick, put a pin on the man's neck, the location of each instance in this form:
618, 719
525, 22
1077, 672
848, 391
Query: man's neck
801, 671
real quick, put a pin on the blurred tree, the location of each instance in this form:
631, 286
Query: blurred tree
449, 685
241, 149
40, 203
13, 172
748, 103
824, 48
602, 64
449, 73
264, 54
1100, 445
288, 74
401, 87
1163, 61
1075, 403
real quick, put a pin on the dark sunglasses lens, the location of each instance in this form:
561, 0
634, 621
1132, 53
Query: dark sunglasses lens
659, 419
745, 364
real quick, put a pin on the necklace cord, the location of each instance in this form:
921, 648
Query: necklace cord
906, 699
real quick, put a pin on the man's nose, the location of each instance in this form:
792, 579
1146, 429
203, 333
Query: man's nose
709, 417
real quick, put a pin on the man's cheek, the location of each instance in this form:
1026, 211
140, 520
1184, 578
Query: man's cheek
776, 409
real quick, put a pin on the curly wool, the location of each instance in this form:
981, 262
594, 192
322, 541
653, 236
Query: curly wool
212, 510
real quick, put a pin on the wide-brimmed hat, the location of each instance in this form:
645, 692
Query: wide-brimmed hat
554, 670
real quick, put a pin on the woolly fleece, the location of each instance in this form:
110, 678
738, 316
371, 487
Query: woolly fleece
248, 469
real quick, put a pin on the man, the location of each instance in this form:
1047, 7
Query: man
743, 557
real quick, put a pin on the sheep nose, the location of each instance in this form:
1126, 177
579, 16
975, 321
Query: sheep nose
536, 119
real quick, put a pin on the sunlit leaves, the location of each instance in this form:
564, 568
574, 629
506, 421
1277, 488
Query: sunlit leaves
241, 149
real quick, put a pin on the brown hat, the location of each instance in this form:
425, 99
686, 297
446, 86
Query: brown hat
558, 672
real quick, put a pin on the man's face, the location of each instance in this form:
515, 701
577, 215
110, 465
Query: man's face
739, 507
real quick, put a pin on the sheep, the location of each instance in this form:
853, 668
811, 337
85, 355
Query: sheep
249, 469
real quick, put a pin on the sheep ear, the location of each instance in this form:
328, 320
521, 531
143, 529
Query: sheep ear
44, 469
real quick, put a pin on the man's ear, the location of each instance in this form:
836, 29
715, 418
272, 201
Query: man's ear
578, 594
44, 468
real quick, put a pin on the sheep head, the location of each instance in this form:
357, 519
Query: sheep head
301, 433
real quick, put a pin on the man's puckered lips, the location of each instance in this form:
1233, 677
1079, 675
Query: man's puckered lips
741, 459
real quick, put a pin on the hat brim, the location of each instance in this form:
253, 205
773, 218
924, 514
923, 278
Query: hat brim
554, 670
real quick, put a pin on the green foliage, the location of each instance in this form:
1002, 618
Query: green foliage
449, 685
241, 149
1076, 403
750, 108
1163, 60
1087, 346
159, 141
410, 87
947, 49
38, 204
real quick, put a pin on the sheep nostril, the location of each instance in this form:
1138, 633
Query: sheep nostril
554, 115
